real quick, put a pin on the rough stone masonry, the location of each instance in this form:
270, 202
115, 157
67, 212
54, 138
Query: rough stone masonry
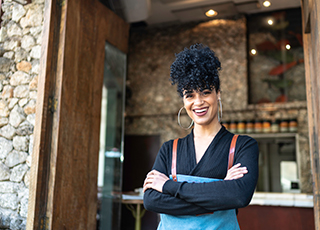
20, 48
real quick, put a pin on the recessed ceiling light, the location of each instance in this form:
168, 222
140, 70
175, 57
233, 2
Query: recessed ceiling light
270, 22
211, 13
288, 47
266, 3
253, 52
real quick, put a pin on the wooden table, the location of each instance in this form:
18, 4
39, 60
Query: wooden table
134, 202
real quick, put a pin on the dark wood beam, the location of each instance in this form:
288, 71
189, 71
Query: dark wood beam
63, 183
311, 44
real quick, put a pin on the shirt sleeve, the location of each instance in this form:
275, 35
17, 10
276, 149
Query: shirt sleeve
221, 195
165, 202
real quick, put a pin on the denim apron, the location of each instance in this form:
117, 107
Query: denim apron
224, 220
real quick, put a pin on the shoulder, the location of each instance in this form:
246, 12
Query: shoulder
180, 140
166, 146
246, 144
246, 140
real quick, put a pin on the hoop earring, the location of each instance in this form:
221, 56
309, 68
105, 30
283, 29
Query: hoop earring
220, 106
180, 122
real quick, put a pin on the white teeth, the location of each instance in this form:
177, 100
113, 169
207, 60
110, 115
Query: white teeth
200, 110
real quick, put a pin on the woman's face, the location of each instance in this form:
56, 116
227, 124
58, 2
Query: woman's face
202, 107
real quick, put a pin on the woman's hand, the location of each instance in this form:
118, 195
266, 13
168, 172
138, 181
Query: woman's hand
236, 172
154, 180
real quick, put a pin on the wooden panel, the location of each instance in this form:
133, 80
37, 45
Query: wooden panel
113, 29
306, 4
63, 190
43, 146
312, 57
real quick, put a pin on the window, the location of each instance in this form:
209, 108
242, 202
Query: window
276, 62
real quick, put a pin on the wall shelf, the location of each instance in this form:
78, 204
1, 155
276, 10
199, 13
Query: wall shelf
271, 135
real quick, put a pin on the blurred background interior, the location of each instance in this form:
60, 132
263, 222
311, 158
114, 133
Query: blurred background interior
259, 44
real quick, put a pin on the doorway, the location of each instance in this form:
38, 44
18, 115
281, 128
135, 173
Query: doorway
111, 139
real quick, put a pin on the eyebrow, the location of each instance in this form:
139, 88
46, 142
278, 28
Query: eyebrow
188, 92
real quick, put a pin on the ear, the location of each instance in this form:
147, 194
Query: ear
219, 94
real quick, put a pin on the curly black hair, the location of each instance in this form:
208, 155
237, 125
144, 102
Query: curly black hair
195, 69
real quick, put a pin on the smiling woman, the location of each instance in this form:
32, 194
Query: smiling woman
203, 179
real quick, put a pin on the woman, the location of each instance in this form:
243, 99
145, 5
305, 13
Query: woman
203, 153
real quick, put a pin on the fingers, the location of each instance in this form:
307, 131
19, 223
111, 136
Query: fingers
154, 180
148, 181
235, 166
236, 172
147, 184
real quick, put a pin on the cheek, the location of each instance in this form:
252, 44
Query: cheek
187, 107
186, 104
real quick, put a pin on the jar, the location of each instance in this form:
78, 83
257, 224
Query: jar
266, 126
293, 125
275, 128
233, 127
241, 127
225, 124
249, 126
257, 126
284, 127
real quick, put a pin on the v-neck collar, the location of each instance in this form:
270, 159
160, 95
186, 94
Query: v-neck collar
212, 145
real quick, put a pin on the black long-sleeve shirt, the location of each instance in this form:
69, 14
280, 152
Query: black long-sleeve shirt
182, 198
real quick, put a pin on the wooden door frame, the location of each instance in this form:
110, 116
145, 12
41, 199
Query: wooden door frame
63, 182
310, 17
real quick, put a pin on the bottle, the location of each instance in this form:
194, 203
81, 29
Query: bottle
233, 126
293, 125
275, 128
266, 126
241, 127
257, 126
249, 126
284, 127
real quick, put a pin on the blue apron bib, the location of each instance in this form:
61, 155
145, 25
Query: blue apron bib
225, 220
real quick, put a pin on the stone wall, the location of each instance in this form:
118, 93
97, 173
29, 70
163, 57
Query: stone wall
20, 47
153, 104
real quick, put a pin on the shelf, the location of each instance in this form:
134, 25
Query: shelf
270, 135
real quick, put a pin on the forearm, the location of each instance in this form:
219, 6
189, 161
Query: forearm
213, 196
165, 203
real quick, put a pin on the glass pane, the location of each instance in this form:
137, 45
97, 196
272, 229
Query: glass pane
111, 139
278, 170
276, 61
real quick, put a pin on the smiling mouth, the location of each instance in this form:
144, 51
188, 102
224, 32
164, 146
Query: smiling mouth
200, 112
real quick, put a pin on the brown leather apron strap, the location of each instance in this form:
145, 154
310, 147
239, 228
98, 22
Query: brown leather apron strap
232, 150
174, 160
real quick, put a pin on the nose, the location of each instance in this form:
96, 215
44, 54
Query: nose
198, 99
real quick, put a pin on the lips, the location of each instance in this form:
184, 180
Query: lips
200, 111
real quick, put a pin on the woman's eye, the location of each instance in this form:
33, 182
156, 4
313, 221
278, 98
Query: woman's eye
207, 92
188, 96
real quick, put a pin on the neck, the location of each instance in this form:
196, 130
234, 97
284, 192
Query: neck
201, 131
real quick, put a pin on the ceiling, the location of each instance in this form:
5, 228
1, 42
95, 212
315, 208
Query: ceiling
176, 11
